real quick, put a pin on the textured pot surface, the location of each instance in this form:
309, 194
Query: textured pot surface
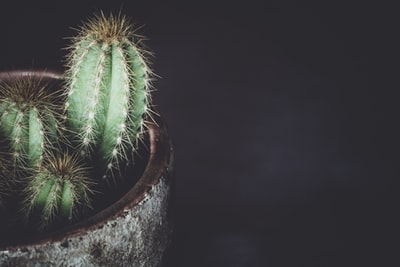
134, 231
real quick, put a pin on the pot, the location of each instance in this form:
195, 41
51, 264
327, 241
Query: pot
135, 230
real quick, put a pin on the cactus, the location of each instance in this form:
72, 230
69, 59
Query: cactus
58, 189
108, 83
28, 121
100, 113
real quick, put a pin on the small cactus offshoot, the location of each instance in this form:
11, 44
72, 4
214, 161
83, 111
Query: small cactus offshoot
58, 189
108, 85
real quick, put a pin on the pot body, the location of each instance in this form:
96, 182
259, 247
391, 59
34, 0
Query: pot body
134, 231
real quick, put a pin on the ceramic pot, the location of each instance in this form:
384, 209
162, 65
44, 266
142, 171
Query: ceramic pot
135, 230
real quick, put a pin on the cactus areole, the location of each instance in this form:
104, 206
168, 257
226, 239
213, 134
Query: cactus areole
134, 230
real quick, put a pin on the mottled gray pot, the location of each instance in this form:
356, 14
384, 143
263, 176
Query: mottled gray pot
134, 231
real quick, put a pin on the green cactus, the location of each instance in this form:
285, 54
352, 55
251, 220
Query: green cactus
105, 104
59, 190
28, 121
108, 83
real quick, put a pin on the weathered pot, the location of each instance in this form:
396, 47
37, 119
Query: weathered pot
133, 231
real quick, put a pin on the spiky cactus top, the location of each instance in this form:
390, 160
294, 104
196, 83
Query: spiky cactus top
108, 90
28, 121
58, 189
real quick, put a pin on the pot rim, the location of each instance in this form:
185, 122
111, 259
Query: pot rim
157, 166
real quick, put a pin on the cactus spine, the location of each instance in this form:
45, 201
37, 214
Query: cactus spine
58, 189
108, 90
27, 121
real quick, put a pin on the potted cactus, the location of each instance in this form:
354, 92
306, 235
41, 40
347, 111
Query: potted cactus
85, 162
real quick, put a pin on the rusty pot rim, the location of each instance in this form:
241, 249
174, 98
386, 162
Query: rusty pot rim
160, 150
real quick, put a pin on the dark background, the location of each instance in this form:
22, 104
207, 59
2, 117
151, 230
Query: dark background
283, 117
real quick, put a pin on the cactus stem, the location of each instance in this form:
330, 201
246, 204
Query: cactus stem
28, 120
109, 82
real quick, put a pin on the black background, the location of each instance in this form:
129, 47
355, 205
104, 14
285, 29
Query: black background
283, 117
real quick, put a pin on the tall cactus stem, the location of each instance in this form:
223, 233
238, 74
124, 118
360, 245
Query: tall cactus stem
108, 85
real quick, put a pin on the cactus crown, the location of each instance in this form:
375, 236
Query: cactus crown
31, 92
28, 91
110, 29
